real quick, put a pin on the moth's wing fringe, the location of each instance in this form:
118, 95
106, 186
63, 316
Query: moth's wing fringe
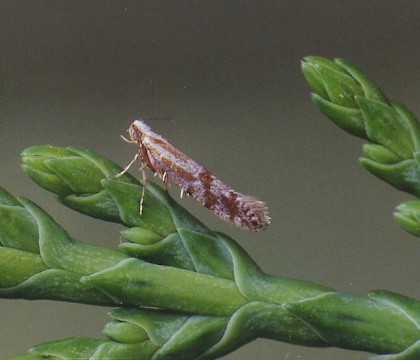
257, 210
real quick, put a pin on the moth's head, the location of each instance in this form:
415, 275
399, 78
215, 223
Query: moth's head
134, 133
139, 128
136, 130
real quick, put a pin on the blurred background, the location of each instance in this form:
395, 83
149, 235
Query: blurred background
228, 73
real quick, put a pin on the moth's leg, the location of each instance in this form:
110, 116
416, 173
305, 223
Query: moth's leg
143, 191
182, 193
127, 140
129, 165
165, 180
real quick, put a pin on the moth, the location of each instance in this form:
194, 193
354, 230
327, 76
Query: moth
169, 163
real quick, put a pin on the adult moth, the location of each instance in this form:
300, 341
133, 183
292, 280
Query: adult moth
169, 163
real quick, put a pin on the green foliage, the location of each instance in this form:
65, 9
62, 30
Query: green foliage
183, 291
353, 102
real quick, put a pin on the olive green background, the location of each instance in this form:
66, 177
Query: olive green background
227, 72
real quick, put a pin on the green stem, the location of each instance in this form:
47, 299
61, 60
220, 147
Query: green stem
187, 291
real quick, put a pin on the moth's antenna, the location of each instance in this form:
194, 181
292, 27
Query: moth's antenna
165, 118
158, 118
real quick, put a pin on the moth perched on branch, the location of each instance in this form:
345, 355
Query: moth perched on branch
167, 162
